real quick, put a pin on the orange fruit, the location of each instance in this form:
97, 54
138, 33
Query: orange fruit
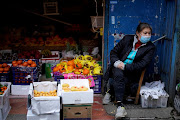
60, 67
29, 61
15, 65
78, 66
55, 69
33, 65
25, 64
6, 69
19, 62
4, 65
1, 69
70, 68
14, 62
62, 70
71, 63
0, 65
85, 71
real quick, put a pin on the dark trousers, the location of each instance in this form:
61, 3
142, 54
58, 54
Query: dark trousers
119, 83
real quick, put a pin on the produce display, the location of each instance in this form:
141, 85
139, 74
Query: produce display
43, 93
2, 88
66, 88
4, 68
31, 54
84, 65
20, 63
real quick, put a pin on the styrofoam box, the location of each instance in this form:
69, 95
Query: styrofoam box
5, 110
76, 97
4, 97
44, 104
19, 89
53, 116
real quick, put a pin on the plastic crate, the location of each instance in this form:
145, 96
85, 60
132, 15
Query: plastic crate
4, 97
162, 101
5, 77
97, 81
20, 73
154, 103
58, 78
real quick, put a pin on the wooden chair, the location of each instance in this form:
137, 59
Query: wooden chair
139, 87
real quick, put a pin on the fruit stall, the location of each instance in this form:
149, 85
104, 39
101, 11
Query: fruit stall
41, 53
53, 81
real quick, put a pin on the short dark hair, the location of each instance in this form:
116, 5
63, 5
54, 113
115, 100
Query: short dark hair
141, 26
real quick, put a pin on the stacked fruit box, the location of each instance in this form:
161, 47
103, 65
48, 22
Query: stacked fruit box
5, 77
4, 100
24, 72
44, 101
4, 72
77, 97
97, 81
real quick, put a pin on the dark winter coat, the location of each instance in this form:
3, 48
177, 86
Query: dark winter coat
143, 57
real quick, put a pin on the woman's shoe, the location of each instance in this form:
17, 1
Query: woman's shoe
121, 112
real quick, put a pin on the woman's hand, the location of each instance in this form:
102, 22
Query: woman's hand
121, 66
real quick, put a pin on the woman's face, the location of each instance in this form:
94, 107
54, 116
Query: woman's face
144, 32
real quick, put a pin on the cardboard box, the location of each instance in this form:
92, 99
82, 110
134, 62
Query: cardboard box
80, 112
32, 116
4, 97
44, 104
19, 89
76, 97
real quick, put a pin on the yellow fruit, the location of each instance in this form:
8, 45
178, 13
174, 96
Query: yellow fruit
35, 91
37, 95
65, 85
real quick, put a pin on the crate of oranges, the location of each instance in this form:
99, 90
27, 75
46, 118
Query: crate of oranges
4, 72
4, 92
24, 71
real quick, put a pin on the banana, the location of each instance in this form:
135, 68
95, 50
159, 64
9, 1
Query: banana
97, 70
91, 72
96, 65
90, 65
81, 57
88, 58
